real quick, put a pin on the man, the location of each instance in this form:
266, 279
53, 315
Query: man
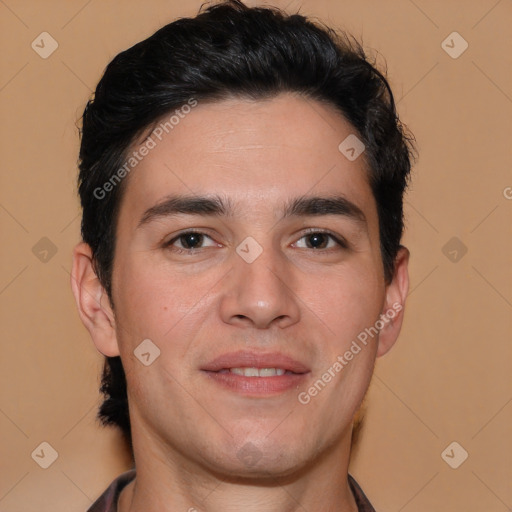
241, 178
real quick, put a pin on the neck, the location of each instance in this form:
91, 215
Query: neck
169, 483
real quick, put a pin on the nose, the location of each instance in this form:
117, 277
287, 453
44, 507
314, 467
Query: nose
260, 294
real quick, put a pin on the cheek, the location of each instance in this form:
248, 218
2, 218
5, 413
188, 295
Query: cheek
347, 301
154, 300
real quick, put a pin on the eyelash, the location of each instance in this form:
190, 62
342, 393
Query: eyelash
168, 245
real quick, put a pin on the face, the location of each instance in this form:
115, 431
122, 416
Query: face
248, 252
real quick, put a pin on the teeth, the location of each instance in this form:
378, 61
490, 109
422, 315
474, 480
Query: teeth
258, 372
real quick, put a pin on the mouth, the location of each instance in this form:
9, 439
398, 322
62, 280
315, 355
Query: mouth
253, 374
257, 372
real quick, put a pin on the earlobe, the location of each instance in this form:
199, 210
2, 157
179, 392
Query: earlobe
393, 311
92, 301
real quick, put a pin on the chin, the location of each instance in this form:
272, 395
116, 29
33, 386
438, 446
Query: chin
253, 465
259, 457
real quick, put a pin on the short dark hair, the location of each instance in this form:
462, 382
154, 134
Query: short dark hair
229, 50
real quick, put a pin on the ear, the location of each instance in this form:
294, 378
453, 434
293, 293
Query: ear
393, 311
93, 303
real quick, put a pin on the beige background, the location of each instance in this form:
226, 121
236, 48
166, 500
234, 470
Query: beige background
449, 376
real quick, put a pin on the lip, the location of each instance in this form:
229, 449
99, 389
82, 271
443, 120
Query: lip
256, 386
247, 359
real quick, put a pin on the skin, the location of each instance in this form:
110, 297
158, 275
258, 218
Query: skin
307, 303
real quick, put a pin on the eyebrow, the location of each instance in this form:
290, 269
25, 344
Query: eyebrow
216, 206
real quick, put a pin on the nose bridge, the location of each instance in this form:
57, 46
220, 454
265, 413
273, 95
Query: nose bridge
261, 267
260, 286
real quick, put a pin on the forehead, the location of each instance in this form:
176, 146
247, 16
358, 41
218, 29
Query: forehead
254, 152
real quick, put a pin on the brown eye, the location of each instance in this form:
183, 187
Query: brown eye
320, 240
317, 240
190, 241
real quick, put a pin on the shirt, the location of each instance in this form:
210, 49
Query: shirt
107, 502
